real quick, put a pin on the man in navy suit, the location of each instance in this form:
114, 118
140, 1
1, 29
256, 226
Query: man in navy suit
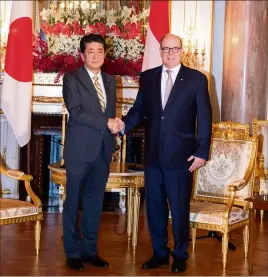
174, 100
90, 97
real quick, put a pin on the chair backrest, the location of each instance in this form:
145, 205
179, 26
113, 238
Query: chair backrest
232, 158
260, 129
239, 130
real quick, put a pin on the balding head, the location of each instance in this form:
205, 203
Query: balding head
171, 50
172, 36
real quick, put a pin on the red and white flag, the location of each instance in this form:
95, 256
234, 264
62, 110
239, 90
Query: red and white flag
17, 85
158, 27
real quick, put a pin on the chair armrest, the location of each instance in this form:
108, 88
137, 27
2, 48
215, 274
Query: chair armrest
233, 188
237, 185
21, 176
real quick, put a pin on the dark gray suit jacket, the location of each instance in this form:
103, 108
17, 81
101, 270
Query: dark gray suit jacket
87, 127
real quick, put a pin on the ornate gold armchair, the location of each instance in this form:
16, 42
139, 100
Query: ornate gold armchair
221, 186
260, 129
16, 211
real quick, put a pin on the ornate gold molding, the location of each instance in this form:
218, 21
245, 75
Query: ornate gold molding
47, 79
129, 101
47, 99
59, 100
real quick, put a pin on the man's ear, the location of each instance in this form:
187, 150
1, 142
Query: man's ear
82, 56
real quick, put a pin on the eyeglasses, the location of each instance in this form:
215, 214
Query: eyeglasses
172, 50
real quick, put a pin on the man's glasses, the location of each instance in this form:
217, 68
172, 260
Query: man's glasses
172, 50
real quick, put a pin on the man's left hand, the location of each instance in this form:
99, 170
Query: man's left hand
198, 162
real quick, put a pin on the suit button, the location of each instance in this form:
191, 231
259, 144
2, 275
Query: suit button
102, 132
162, 117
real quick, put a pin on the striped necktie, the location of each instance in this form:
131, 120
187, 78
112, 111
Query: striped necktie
99, 92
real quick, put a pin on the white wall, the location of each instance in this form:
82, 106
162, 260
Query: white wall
217, 58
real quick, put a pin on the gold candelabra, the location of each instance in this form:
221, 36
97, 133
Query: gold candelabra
193, 56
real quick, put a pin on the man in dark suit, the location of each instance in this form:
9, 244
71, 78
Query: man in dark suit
90, 97
171, 98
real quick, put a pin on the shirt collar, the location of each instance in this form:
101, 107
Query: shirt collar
174, 69
92, 74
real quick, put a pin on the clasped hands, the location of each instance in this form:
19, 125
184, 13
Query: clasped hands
115, 125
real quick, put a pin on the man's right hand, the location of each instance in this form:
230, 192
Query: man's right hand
115, 125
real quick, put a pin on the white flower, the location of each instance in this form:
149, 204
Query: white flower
126, 12
134, 18
63, 44
99, 15
110, 18
45, 14
127, 49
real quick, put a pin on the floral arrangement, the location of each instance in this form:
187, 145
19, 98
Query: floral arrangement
56, 47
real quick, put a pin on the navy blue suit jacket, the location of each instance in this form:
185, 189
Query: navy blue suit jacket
87, 127
183, 128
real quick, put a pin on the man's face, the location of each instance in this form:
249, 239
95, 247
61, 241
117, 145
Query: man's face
171, 51
94, 55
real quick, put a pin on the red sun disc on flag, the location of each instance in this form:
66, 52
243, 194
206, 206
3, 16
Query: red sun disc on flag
18, 63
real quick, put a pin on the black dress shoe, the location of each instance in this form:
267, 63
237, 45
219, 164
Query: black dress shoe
155, 262
75, 263
179, 265
96, 261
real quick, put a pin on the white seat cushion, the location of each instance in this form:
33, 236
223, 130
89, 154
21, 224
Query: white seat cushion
10, 208
212, 213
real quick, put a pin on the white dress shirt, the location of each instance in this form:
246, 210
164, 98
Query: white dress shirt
174, 73
100, 82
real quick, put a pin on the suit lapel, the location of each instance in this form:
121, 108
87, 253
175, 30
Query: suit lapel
106, 83
178, 86
89, 86
86, 80
158, 79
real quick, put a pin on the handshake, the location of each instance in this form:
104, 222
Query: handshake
115, 125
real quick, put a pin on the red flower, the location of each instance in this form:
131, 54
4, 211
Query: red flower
92, 29
115, 31
101, 28
66, 30
56, 29
132, 30
77, 29
46, 27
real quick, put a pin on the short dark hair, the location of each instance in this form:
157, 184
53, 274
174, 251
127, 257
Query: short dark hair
91, 38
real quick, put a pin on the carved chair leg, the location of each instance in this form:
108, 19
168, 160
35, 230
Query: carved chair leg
224, 249
193, 232
61, 197
37, 235
262, 214
246, 240
129, 211
122, 200
136, 211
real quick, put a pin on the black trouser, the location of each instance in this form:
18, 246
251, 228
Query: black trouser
85, 182
174, 185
